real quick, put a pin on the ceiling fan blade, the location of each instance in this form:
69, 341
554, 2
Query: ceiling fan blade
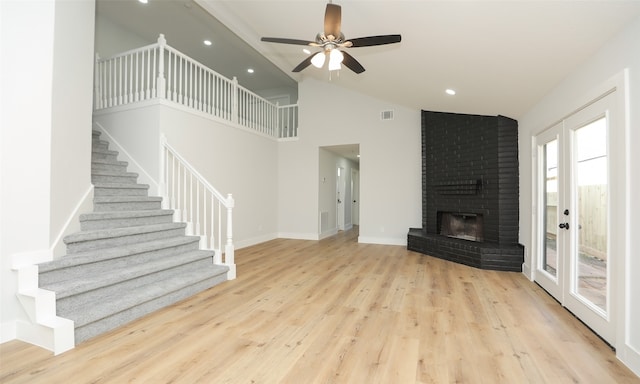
332, 20
286, 41
352, 63
375, 40
305, 63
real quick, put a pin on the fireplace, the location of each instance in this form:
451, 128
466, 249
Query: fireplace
469, 191
467, 226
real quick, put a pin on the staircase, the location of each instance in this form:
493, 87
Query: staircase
129, 259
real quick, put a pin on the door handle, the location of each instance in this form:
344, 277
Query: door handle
564, 225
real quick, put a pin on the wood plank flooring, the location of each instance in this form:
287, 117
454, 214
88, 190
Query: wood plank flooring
335, 311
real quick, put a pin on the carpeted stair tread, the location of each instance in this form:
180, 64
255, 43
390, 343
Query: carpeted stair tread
119, 232
97, 143
89, 257
121, 219
124, 214
119, 302
126, 199
120, 185
102, 151
117, 177
83, 282
113, 173
108, 162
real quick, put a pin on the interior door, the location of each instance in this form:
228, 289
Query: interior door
355, 196
340, 193
575, 257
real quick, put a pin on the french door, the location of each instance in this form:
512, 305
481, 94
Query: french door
576, 258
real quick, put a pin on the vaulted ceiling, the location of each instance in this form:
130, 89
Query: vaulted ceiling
501, 57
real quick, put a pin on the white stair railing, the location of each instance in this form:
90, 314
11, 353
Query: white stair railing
206, 211
158, 71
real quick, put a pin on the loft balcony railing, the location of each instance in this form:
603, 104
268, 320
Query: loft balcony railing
159, 71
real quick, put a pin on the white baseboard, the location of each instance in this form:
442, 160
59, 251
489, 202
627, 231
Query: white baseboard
254, 240
382, 240
72, 224
7, 331
328, 233
298, 236
526, 270
630, 357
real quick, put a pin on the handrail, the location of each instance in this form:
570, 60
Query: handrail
197, 203
159, 71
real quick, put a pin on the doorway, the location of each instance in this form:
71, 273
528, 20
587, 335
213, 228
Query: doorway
337, 164
577, 255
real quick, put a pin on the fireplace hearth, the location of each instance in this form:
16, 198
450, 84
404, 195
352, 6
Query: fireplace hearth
469, 191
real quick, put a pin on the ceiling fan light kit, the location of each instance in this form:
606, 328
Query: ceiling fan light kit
332, 42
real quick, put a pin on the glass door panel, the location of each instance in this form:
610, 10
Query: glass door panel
591, 208
551, 242
550, 210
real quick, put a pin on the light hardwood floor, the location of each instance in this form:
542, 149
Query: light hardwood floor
335, 311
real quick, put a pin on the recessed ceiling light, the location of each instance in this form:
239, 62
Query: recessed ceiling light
250, 70
305, 50
144, 1
207, 42
450, 92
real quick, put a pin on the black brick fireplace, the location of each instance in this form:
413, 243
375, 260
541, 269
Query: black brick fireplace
469, 191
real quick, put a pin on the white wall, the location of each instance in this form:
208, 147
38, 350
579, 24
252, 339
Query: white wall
111, 39
233, 161
621, 52
42, 136
135, 134
390, 163
72, 106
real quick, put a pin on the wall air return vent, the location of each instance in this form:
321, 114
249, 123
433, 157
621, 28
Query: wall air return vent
386, 115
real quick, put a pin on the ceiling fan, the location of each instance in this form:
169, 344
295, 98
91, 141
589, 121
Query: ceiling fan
332, 42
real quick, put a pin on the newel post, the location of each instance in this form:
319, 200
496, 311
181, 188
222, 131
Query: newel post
162, 85
229, 258
234, 101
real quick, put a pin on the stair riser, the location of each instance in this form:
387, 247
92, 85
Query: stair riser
90, 245
100, 144
98, 327
125, 179
126, 206
72, 307
115, 167
101, 191
104, 156
90, 225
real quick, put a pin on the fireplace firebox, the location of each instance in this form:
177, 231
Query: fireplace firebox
469, 191
467, 226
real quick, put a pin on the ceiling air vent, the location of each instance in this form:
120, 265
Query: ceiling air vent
386, 115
